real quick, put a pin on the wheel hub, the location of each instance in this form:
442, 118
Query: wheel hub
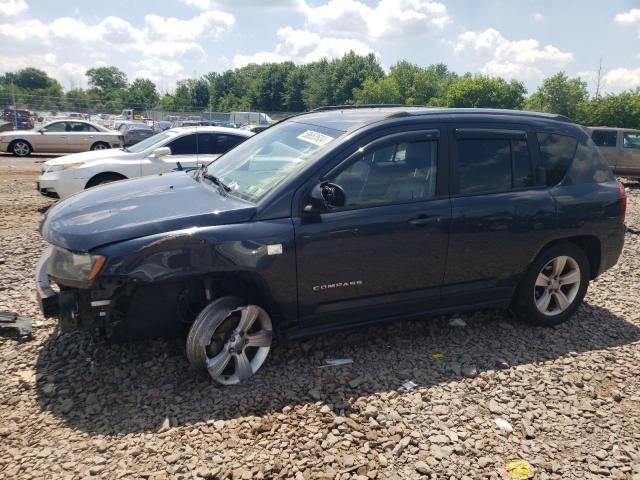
236, 342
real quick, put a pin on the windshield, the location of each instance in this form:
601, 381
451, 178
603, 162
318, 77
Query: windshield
256, 166
149, 142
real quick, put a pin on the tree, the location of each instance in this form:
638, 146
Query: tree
33, 79
199, 93
106, 78
385, 90
559, 94
485, 92
622, 110
142, 93
350, 72
292, 97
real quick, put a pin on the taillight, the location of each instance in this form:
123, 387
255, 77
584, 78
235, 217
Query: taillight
623, 202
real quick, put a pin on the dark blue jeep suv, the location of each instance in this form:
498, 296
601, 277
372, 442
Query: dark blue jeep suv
338, 218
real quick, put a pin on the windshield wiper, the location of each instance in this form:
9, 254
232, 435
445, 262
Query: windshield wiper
212, 178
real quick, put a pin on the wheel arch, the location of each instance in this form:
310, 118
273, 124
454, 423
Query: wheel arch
589, 243
19, 140
99, 142
95, 179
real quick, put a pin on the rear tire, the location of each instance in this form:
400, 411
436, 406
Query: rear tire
554, 286
21, 148
100, 146
103, 178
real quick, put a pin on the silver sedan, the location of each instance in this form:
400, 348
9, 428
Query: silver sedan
65, 136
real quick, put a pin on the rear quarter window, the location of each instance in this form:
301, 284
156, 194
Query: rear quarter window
556, 155
572, 161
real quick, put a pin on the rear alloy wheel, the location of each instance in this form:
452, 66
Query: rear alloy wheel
555, 285
99, 146
21, 148
230, 340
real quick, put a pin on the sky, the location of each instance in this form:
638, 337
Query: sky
167, 40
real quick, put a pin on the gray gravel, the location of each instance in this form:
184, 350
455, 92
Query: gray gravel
71, 407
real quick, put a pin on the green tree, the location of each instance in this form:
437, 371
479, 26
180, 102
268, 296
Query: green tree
622, 110
350, 72
385, 90
142, 93
293, 99
485, 92
559, 94
106, 78
33, 79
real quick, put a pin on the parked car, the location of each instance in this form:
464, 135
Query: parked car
161, 126
255, 128
60, 137
620, 147
335, 219
135, 132
181, 147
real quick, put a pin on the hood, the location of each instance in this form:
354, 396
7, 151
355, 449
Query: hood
136, 208
86, 157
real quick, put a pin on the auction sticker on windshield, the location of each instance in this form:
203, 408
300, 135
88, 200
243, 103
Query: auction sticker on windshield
316, 138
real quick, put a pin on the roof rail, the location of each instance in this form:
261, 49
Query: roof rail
353, 107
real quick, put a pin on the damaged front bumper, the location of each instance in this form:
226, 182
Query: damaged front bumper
75, 308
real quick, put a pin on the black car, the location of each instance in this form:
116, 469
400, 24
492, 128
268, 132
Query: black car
339, 218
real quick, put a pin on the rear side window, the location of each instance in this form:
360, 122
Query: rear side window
216, 143
631, 140
493, 165
556, 155
604, 138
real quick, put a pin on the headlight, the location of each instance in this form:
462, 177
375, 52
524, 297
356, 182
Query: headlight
65, 166
79, 269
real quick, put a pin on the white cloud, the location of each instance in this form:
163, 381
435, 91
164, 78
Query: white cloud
387, 19
159, 47
303, 46
630, 17
621, 79
262, 4
213, 23
519, 59
538, 17
11, 8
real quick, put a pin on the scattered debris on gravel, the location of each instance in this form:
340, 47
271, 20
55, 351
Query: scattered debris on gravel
72, 407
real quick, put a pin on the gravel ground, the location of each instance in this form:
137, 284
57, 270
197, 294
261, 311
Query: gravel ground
71, 407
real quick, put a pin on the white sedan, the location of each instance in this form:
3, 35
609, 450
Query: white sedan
175, 148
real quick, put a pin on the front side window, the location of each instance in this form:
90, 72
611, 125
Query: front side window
556, 155
185, 145
397, 173
259, 164
493, 165
631, 140
604, 138
56, 127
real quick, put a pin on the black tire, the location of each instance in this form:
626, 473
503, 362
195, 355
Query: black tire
528, 292
100, 146
230, 339
103, 178
21, 148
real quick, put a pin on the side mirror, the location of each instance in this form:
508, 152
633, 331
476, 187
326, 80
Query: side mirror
161, 152
42, 130
324, 197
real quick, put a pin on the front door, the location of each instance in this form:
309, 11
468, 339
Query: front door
184, 150
384, 251
54, 138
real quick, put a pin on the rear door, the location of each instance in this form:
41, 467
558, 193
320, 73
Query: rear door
211, 145
383, 253
500, 212
630, 162
80, 136
608, 142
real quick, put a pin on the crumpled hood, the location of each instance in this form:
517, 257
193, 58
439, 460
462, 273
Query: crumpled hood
136, 208
90, 156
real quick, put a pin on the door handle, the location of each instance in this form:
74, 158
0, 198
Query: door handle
425, 220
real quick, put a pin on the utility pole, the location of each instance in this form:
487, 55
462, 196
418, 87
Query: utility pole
15, 111
599, 77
